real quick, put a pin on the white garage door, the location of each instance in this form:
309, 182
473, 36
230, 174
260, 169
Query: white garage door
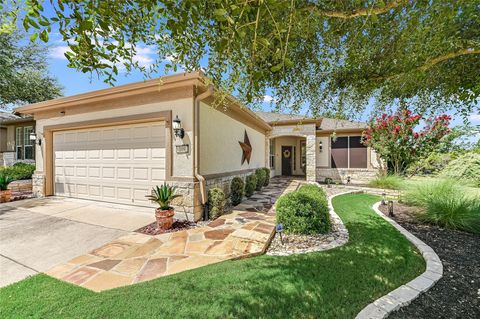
116, 163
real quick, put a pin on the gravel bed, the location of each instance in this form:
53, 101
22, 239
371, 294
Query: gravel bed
290, 244
457, 294
299, 244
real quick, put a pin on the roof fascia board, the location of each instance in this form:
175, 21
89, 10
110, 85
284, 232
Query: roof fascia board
154, 85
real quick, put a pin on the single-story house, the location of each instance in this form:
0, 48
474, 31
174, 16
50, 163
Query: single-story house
115, 144
15, 143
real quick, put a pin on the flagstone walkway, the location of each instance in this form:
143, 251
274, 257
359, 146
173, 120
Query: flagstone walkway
136, 257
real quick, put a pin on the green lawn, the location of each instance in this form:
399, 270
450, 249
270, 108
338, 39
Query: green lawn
333, 284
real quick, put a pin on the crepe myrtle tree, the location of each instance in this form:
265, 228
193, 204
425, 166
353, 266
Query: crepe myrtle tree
396, 141
334, 56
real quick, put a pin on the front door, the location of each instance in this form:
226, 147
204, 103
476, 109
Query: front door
287, 155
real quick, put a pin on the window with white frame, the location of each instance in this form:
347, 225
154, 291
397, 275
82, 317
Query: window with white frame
272, 153
24, 147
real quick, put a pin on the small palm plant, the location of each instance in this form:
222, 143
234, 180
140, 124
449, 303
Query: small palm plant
4, 181
163, 195
5, 193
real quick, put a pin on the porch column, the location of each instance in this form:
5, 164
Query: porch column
311, 158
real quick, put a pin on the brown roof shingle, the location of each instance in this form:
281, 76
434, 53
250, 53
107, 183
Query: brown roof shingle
327, 124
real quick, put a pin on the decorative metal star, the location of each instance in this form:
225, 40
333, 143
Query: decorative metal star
247, 149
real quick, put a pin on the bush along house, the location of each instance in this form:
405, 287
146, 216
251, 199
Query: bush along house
115, 144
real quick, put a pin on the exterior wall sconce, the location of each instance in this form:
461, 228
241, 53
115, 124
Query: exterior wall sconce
320, 146
349, 179
177, 128
33, 137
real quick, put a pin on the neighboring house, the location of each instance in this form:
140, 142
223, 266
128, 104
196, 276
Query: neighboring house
115, 144
15, 143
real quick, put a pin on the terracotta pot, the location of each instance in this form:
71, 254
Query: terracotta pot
164, 218
5, 195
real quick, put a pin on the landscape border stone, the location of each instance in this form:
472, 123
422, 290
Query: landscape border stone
406, 293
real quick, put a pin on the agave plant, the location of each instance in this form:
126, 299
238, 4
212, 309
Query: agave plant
4, 181
163, 195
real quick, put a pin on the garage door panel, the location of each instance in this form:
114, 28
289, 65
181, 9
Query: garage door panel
108, 172
108, 192
140, 153
108, 154
117, 163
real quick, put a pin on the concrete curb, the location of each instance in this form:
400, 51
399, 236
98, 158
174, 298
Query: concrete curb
406, 293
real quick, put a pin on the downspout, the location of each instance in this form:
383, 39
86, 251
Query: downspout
196, 152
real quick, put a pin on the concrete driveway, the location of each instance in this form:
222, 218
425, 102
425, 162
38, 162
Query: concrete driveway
37, 234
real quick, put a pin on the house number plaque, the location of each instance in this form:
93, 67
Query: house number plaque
182, 149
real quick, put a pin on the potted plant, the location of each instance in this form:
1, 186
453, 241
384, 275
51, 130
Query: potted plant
163, 195
5, 194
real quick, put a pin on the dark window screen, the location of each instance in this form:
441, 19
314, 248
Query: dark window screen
358, 153
340, 152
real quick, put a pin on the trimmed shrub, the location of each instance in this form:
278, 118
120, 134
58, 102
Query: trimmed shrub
328, 180
386, 182
19, 171
250, 184
465, 168
260, 172
267, 176
216, 202
445, 203
304, 211
237, 188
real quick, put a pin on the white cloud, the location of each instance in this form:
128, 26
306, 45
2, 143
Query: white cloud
58, 52
169, 58
474, 117
144, 55
267, 98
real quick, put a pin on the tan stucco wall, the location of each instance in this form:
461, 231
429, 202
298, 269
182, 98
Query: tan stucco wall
182, 164
300, 130
375, 160
288, 141
219, 150
323, 157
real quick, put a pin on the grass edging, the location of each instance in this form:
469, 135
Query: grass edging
408, 292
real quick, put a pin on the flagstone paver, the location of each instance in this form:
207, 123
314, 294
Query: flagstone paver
136, 257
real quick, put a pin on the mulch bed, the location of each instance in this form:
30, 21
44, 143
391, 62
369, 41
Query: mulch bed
178, 225
457, 294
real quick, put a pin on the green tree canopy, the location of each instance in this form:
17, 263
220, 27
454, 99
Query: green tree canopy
327, 54
24, 76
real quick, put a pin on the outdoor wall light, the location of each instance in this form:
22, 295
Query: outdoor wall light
349, 179
33, 137
177, 128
